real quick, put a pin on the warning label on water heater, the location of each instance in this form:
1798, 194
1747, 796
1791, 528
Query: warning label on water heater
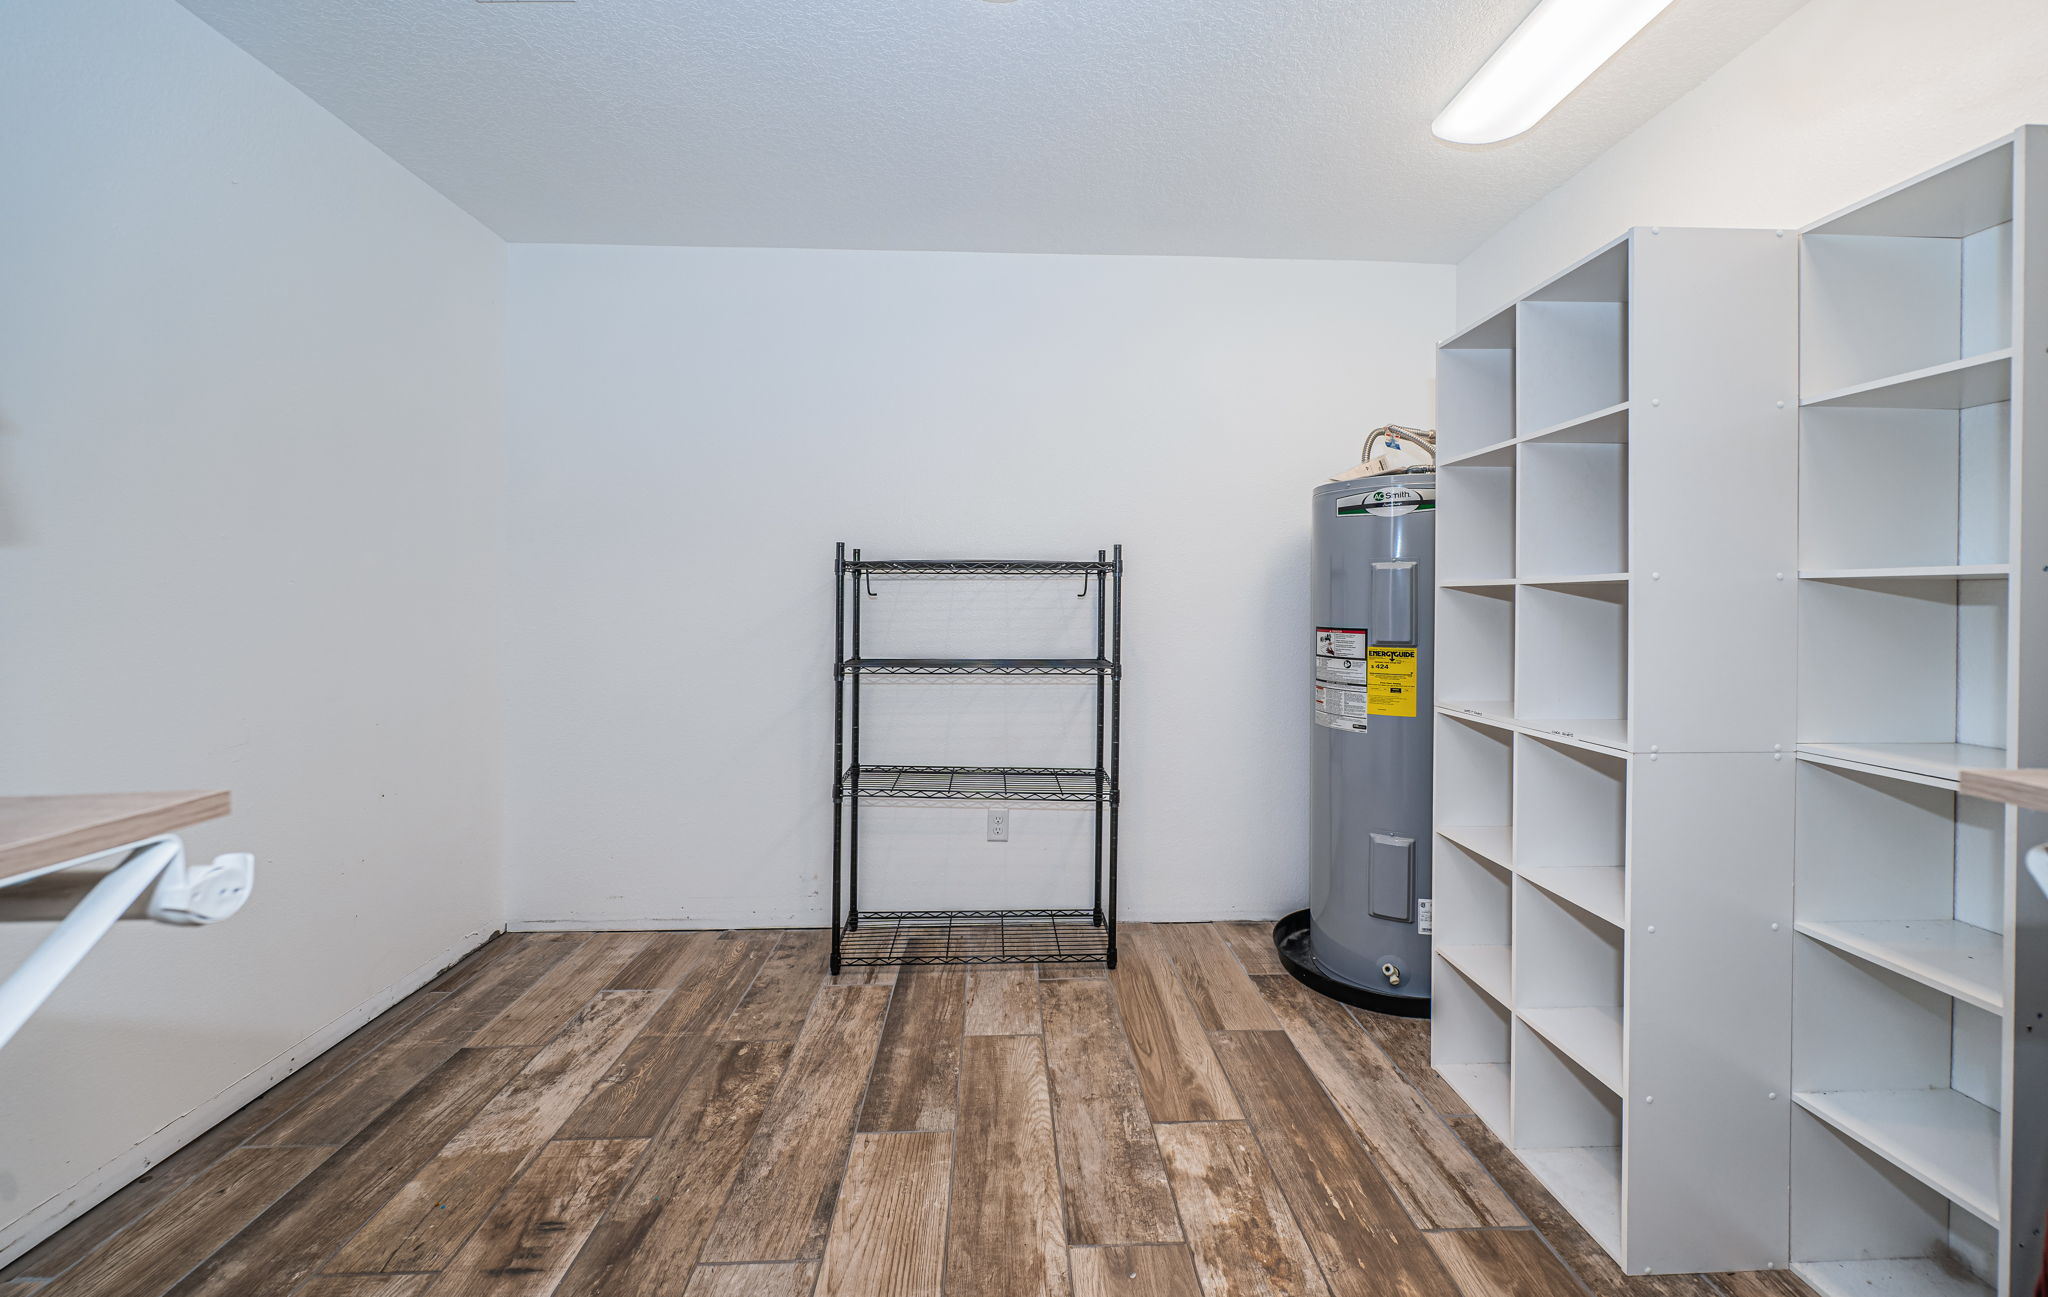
1341, 671
1341, 707
1390, 681
1340, 642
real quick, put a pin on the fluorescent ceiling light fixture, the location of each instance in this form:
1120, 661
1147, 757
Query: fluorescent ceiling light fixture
1559, 45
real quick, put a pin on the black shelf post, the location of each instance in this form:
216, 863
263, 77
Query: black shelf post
838, 731
1078, 935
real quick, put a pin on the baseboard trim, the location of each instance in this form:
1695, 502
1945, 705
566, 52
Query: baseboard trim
821, 921
59, 1210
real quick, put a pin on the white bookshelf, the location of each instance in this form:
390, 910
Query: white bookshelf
1615, 593
1920, 624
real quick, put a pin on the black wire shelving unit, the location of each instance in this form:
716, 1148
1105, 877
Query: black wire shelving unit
869, 938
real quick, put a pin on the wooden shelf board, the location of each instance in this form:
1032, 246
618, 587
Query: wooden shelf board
1590, 1037
1954, 958
1488, 842
1499, 714
1945, 1140
1596, 889
1955, 385
1963, 572
38, 832
1913, 1276
1486, 967
2027, 789
1608, 427
1587, 1182
1485, 1087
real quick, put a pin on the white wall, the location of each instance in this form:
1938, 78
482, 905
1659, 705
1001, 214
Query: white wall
692, 430
250, 386
1844, 98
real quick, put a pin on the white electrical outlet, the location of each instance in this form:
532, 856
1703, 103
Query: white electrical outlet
999, 826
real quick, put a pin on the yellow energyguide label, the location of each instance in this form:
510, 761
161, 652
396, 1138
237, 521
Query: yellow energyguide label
1390, 681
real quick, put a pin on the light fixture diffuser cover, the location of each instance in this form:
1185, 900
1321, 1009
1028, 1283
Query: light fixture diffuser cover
1559, 45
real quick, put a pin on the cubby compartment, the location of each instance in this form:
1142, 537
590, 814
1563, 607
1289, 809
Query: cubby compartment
1904, 875
1910, 491
1861, 1227
1469, 1044
1473, 928
1903, 673
1572, 509
1571, 824
1474, 783
1475, 663
1568, 1132
1571, 660
1912, 291
1480, 494
1476, 387
1571, 339
1908, 1073
1568, 981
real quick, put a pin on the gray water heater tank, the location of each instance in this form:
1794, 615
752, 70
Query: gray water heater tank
1366, 935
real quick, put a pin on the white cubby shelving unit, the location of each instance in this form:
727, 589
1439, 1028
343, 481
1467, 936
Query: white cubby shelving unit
1921, 606
1616, 547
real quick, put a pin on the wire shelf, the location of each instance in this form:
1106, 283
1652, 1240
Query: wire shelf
976, 567
980, 666
985, 783
890, 937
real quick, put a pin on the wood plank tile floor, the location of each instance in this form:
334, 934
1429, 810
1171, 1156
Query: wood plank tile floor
709, 1114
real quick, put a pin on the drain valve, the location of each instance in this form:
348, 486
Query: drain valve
1392, 972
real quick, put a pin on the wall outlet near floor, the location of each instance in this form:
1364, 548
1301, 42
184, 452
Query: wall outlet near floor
999, 826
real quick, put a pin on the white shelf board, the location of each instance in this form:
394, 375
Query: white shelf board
1954, 200
1487, 967
1605, 735
1963, 572
1590, 578
1500, 452
1596, 889
1484, 583
1603, 427
1590, 1037
1488, 842
1956, 385
1954, 958
1485, 1087
1587, 1181
1496, 712
1495, 332
1945, 1140
1938, 762
1913, 1276
1599, 276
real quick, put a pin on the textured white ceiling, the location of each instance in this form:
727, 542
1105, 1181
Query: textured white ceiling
1263, 128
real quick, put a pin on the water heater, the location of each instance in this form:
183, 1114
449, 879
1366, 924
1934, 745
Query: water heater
1365, 937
